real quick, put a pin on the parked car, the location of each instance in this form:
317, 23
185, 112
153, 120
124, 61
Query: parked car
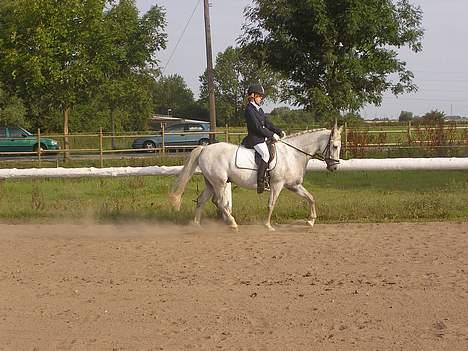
15, 139
181, 134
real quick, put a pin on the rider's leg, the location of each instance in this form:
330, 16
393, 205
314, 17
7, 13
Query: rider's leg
262, 150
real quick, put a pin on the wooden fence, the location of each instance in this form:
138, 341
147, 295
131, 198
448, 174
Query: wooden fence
377, 141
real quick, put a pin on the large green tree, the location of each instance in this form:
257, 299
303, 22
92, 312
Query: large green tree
234, 71
55, 51
58, 54
337, 54
130, 64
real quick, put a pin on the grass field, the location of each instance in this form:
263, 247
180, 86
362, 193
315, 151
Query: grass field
340, 197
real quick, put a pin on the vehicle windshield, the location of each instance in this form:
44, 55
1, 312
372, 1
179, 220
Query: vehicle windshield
19, 132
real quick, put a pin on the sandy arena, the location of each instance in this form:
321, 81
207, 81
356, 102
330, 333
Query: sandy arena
141, 287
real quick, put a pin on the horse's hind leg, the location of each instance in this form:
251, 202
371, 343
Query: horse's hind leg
201, 200
227, 201
301, 191
223, 196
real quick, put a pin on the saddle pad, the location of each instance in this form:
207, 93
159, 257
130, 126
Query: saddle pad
245, 159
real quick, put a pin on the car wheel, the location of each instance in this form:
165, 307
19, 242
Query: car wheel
149, 146
203, 142
39, 148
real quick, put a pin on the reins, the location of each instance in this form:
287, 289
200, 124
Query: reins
316, 155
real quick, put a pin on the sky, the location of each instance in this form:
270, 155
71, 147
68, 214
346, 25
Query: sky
441, 69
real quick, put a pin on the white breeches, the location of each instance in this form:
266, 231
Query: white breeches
262, 150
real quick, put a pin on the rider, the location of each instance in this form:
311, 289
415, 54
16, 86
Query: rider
260, 129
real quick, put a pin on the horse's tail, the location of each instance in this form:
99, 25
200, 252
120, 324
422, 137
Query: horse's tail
184, 176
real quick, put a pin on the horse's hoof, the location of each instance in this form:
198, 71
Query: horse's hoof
234, 228
270, 228
311, 222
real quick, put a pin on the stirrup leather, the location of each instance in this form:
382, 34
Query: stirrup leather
267, 181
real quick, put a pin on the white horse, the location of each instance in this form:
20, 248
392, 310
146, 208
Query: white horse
218, 166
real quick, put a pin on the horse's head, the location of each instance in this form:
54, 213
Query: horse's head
332, 155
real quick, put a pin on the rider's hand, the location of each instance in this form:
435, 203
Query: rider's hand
283, 134
276, 137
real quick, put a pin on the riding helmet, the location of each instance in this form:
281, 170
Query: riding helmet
256, 89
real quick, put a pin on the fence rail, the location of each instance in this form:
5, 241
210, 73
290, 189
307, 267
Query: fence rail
357, 142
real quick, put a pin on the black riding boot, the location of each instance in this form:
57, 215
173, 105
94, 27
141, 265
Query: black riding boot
261, 171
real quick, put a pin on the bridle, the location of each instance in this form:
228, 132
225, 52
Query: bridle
325, 155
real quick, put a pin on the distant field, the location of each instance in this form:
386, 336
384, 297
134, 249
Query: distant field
340, 197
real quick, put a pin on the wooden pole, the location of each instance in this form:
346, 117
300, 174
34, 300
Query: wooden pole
409, 132
210, 74
345, 141
39, 146
101, 148
163, 135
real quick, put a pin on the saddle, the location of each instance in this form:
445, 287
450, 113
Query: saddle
248, 158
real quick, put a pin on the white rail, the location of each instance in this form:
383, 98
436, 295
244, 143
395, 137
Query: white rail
401, 164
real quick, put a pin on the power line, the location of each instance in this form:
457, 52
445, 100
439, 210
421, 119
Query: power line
181, 36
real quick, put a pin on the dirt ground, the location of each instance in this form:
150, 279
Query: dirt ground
160, 287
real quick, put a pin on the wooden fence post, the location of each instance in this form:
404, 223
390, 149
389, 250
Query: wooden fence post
101, 148
409, 132
226, 132
163, 134
39, 149
345, 140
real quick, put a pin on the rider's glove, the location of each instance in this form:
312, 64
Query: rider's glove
283, 134
276, 137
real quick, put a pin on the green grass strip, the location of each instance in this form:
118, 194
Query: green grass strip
380, 196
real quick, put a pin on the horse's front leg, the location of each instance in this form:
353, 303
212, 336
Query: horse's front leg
275, 190
302, 192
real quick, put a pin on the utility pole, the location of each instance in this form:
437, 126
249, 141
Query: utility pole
209, 70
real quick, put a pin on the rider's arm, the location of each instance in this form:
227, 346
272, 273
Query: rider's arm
269, 124
255, 125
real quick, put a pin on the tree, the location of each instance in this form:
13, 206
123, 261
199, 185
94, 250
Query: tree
12, 110
54, 51
434, 117
286, 117
132, 43
234, 71
337, 55
172, 96
405, 116
351, 118
59, 53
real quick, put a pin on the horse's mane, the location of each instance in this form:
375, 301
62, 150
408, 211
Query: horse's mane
304, 132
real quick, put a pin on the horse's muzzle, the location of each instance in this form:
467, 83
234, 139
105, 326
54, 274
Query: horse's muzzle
332, 164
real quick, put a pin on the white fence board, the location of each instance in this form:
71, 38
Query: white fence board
400, 164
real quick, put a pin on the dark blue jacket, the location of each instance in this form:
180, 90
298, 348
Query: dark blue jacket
259, 127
